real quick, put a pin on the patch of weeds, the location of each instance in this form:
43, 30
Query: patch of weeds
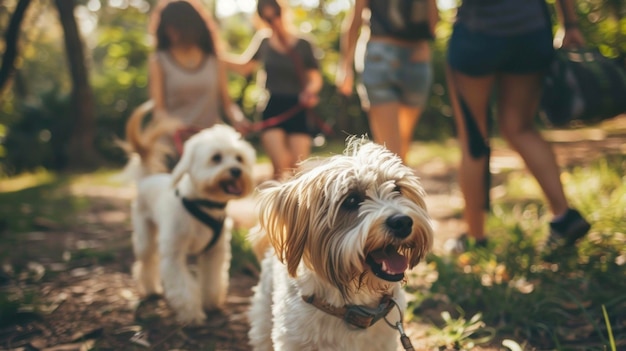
8, 308
39, 206
562, 305
243, 257
446, 152
93, 257
18, 305
460, 333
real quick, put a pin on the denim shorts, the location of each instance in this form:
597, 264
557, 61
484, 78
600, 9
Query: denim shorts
479, 54
389, 75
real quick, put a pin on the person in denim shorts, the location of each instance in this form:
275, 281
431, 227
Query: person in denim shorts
506, 44
397, 73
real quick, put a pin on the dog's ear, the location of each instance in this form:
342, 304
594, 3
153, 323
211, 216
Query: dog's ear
184, 163
286, 223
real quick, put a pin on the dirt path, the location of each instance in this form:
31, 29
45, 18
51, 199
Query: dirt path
89, 300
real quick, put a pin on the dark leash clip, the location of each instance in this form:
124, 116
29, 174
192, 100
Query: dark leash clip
364, 317
404, 339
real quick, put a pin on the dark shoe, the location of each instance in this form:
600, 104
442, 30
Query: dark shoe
566, 231
463, 244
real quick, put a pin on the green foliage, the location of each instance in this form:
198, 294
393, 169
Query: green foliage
550, 305
46, 198
38, 138
117, 51
462, 334
15, 305
609, 329
243, 256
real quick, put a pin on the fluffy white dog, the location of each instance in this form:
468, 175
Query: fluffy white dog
184, 214
343, 234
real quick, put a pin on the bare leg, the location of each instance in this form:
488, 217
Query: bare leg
518, 101
274, 142
384, 124
408, 118
475, 92
300, 147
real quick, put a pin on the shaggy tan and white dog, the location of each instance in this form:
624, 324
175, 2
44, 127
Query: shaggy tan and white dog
342, 233
184, 213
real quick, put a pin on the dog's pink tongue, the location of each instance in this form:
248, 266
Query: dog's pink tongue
392, 262
233, 188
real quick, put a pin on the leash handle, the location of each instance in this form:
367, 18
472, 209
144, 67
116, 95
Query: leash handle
404, 339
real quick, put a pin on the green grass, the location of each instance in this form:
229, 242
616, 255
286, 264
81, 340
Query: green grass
30, 199
243, 257
532, 302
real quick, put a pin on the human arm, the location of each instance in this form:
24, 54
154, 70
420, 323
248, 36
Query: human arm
312, 77
572, 37
350, 32
433, 16
248, 62
231, 110
155, 88
309, 96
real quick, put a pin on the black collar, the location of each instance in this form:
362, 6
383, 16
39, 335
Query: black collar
194, 207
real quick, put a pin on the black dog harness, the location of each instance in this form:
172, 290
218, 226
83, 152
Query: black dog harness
194, 207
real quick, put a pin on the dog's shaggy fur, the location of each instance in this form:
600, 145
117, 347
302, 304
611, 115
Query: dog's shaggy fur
216, 166
343, 232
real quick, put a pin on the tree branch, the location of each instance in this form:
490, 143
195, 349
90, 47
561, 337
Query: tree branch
10, 39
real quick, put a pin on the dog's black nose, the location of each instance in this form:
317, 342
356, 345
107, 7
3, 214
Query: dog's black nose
235, 172
400, 225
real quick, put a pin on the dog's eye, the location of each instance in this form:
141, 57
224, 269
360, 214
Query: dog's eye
397, 189
216, 158
352, 202
239, 159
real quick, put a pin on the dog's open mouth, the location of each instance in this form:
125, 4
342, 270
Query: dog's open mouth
387, 263
232, 187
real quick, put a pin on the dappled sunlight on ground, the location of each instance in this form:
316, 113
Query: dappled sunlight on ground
82, 273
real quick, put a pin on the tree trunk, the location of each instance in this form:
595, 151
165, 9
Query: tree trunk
81, 151
10, 40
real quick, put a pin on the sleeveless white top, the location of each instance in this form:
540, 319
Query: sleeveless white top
191, 94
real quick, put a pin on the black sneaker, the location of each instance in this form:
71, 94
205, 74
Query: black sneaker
462, 244
566, 231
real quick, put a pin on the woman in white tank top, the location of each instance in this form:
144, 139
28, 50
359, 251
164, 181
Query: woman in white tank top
186, 79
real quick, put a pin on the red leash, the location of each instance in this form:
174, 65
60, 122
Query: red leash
276, 120
301, 73
290, 113
181, 135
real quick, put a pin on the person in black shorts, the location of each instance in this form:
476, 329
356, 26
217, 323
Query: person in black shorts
506, 45
293, 81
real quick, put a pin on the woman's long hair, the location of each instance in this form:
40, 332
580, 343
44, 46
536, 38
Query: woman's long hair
194, 28
280, 9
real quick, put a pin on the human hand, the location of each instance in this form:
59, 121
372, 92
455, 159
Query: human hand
573, 38
239, 120
308, 98
344, 82
242, 126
